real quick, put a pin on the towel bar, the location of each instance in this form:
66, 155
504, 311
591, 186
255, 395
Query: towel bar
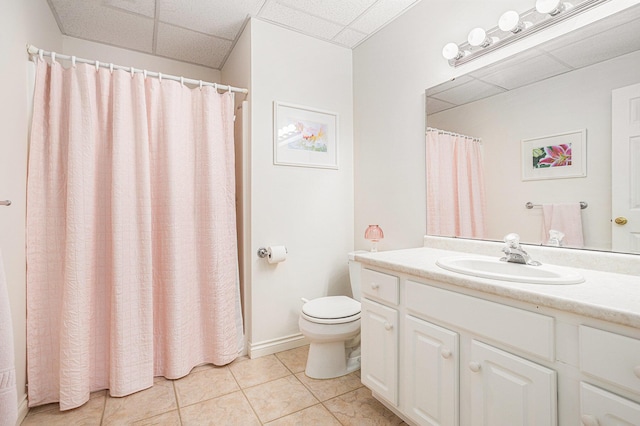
530, 205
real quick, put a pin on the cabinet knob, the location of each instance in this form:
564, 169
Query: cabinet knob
589, 420
636, 371
375, 286
388, 326
474, 366
446, 353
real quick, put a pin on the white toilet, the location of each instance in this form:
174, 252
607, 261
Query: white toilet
332, 325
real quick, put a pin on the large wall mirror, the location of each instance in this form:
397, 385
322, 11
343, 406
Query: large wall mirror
562, 87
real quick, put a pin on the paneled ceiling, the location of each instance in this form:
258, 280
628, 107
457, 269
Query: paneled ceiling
203, 32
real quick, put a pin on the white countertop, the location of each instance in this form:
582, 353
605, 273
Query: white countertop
606, 296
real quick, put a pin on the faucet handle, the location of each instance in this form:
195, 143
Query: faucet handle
512, 240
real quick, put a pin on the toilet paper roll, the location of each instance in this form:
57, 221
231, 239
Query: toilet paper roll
276, 254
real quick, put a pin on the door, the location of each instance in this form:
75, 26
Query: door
625, 169
507, 390
430, 394
379, 344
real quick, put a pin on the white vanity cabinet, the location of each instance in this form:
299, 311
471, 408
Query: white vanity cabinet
495, 386
379, 334
442, 354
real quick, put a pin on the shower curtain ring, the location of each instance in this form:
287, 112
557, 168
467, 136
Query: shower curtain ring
97, 65
41, 54
53, 57
111, 67
73, 61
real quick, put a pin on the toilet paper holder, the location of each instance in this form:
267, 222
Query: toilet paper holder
263, 252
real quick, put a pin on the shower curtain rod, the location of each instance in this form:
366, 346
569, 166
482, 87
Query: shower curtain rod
444, 132
34, 51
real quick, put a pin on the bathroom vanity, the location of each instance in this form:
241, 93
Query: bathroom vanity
441, 348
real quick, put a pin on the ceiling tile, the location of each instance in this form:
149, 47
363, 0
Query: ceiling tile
141, 7
619, 40
436, 105
468, 92
303, 22
92, 21
221, 18
380, 14
349, 37
517, 73
190, 46
338, 11
448, 85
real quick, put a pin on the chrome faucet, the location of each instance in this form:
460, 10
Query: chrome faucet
516, 254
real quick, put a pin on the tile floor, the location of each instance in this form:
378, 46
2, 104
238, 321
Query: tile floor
271, 390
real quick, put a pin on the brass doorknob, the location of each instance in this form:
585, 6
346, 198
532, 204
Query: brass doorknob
621, 220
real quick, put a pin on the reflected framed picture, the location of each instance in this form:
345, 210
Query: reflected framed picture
559, 156
304, 136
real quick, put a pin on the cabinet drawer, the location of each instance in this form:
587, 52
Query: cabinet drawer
379, 286
527, 331
599, 407
610, 357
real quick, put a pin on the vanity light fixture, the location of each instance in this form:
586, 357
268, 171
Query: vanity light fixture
452, 51
478, 37
510, 22
552, 7
374, 234
513, 26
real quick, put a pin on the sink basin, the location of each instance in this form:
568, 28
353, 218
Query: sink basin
487, 267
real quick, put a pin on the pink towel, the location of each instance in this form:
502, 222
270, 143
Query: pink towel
8, 392
566, 218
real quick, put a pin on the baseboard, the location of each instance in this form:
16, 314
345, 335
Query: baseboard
23, 409
280, 344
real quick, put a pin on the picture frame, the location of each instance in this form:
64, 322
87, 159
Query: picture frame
559, 156
304, 136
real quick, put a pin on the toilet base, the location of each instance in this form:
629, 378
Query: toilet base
328, 360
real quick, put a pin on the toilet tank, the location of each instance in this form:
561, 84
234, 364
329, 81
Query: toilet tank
355, 269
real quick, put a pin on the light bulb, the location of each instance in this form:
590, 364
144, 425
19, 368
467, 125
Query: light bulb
552, 7
510, 21
451, 51
478, 37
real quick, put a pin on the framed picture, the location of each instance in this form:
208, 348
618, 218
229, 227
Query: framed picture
304, 136
555, 157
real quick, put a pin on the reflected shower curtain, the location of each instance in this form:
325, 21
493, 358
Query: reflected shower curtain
131, 235
455, 185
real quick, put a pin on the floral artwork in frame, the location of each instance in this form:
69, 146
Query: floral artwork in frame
304, 136
555, 157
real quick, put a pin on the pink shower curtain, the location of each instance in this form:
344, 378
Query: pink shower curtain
131, 234
455, 186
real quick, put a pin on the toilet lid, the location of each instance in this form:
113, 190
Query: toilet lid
331, 307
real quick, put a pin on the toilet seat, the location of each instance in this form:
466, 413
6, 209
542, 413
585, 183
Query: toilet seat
331, 310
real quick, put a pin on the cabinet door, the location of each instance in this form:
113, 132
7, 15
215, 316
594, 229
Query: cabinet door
431, 357
507, 390
601, 408
379, 368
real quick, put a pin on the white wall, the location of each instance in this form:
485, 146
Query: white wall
552, 106
104, 53
22, 22
237, 72
392, 69
309, 210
